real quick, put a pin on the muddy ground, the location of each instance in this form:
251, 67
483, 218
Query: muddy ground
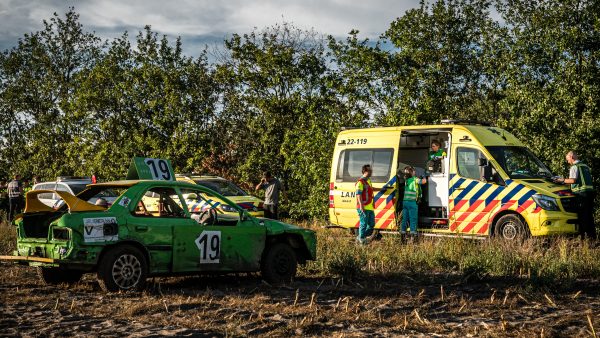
239, 305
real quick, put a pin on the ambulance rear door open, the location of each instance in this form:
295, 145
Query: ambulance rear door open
414, 151
353, 150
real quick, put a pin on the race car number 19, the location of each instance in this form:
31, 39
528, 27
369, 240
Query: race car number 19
159, 169
209, 244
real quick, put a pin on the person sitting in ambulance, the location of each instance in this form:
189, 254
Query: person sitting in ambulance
434, 160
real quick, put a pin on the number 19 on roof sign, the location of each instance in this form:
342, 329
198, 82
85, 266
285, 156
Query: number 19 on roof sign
159, 169
151, 169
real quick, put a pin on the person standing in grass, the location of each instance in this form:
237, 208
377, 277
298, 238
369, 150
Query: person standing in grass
412, 194
272, 187
580, 179
364, 204
15, 197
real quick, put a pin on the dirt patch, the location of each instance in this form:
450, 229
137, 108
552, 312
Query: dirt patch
244, 305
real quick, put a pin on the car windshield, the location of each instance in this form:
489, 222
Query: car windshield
108, 193
223, 187
519, 162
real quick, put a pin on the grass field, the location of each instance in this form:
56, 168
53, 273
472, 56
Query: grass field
452, 287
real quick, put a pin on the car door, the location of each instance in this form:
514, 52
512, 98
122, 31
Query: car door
472, 198
230, 243
155, 228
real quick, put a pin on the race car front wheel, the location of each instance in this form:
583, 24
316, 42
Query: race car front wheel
123, 268
54, 276
279, 264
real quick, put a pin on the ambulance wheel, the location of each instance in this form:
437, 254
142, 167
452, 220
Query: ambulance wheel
54, 276
279, 264
510, 227
123, 268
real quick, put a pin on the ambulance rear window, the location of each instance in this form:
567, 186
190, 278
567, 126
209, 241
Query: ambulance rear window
351, 161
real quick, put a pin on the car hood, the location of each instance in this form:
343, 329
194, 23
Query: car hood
309, 236
246, 202
548, 188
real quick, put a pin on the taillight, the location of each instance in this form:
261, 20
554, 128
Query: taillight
331, 191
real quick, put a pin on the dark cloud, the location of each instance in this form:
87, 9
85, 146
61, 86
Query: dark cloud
202, 22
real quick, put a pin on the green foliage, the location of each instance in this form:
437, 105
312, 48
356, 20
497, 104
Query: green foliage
275, 99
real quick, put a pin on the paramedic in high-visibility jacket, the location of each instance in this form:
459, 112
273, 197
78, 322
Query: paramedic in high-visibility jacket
412, 194
580, 179
436, 153
364, 204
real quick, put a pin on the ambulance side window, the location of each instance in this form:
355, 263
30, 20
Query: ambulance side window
468, 163
351, 161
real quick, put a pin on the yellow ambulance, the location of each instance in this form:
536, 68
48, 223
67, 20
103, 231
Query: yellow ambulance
488, 184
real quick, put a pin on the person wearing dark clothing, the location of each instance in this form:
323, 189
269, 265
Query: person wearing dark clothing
15, 197
272, 187
580, 179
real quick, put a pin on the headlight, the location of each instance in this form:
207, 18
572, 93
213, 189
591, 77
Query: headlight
228, 208
546, 202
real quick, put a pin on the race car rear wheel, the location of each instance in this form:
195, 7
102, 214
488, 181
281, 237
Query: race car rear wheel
279, 264
54, 276
123, 268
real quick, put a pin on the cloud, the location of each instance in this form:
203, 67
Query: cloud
204, 20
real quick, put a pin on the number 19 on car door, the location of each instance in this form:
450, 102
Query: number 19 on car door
209, 245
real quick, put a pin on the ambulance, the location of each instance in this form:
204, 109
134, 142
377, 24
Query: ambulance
488, 184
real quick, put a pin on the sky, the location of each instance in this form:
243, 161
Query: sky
202, 22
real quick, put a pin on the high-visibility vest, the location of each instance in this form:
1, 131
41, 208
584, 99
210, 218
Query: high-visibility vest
412, 189
437, 154
366, 196
584, 178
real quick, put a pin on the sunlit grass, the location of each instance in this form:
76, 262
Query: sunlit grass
545, 261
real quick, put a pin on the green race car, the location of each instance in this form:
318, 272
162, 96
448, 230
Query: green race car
124, 243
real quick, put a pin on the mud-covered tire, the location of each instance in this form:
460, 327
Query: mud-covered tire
511, 228
279, 264
123, 268
55, 276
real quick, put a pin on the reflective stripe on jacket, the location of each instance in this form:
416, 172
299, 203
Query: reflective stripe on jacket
412, 189
14, 189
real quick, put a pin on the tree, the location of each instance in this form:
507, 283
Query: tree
280, 112
39, 77
153, 101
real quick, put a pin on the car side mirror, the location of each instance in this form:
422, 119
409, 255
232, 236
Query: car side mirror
487, 174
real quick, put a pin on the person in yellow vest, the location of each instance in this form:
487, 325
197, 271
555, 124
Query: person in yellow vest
582, 185
412, 194
364, 204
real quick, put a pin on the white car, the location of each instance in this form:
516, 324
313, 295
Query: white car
72, 185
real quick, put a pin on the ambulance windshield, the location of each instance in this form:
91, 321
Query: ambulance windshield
519, 162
